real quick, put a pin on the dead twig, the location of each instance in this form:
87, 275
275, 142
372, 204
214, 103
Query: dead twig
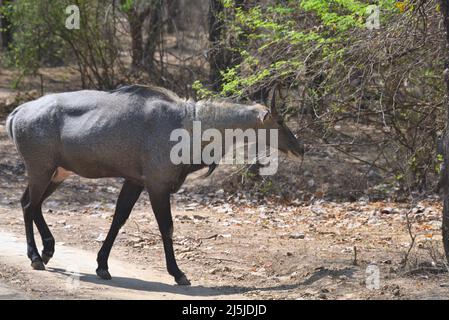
222, 259
354, 262
412, 237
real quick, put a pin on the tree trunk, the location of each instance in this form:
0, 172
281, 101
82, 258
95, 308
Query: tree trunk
173, 11
217, 61
136, 18
153, 39
220, 56
444, 182
242, 39
135, 26
5, 27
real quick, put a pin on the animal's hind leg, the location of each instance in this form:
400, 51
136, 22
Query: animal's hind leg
127, 199
31, 202
48, 240
32, 251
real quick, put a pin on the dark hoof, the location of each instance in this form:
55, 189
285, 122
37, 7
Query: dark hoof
183, 281
46, 257
37, 265
104, 274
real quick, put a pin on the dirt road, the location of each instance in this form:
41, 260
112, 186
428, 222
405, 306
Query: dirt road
72, 274
7, 293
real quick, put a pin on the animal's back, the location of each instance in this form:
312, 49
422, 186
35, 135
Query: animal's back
94, 133
50, 117
89, 108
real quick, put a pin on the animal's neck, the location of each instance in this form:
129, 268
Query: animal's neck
223, 116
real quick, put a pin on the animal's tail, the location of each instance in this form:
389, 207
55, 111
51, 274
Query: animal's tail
10, 123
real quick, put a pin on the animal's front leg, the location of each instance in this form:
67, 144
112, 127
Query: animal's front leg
127, 199
160, 201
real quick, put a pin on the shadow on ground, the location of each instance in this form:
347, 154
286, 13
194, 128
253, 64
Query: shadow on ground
154, 286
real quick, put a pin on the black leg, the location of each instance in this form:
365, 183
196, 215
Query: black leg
161, 208
48, 240
31, 202
128, 197
32, 252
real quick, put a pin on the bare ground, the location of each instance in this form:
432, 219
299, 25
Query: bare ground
229, 245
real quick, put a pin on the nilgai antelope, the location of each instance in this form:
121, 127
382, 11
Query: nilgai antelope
122, 133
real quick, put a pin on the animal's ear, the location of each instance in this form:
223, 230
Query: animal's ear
263, 115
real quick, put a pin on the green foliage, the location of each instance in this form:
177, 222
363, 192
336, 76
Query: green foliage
323, 57
41, 38
201, 91
126, 5
33, 44
275, 43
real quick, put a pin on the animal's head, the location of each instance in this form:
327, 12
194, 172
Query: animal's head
287, 142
